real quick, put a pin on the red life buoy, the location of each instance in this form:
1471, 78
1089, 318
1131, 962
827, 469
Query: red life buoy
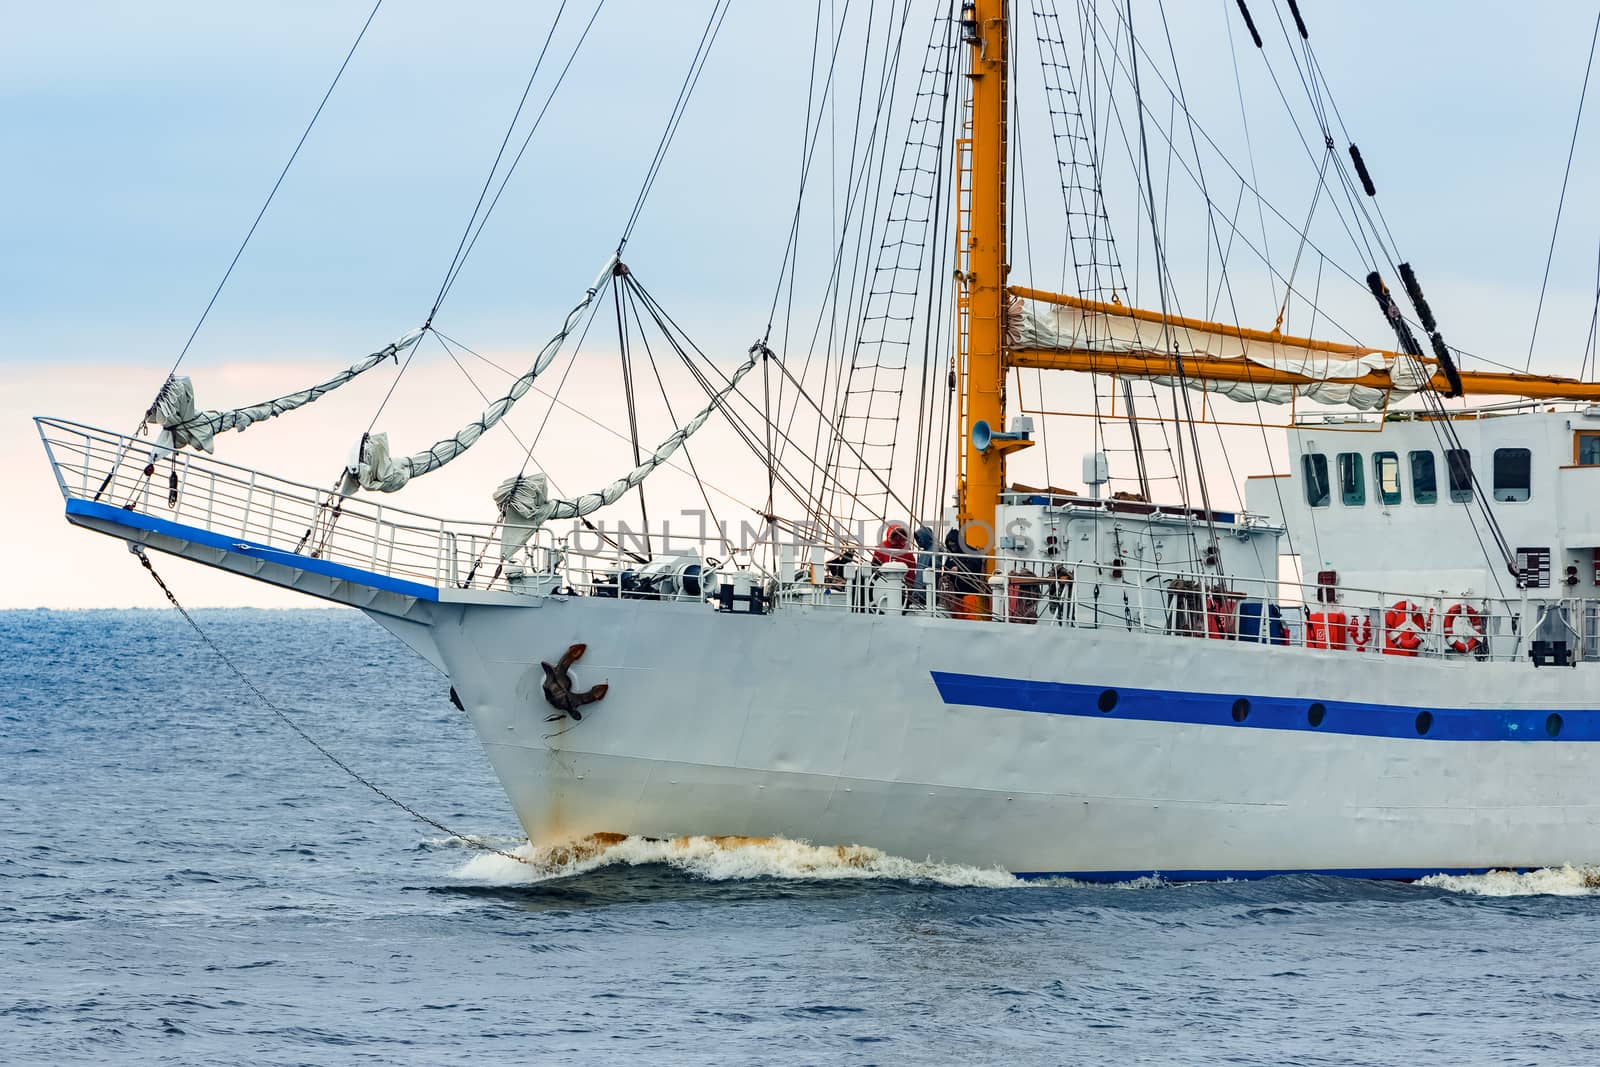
1360, 632
1463, 626
1403, 627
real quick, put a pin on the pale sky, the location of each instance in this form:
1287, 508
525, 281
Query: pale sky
140, 140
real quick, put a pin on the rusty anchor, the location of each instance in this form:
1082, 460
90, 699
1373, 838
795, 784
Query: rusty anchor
559, 690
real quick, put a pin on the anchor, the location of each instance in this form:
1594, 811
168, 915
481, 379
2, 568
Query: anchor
559, 691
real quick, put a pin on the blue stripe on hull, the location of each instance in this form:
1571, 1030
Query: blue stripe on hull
1271, 713
137, 521
1384, 874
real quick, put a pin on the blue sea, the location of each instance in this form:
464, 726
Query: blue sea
185, 881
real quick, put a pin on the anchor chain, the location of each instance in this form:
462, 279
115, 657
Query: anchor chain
144, 560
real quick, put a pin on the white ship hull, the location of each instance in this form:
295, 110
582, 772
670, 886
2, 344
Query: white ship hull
1041, 749
906, 735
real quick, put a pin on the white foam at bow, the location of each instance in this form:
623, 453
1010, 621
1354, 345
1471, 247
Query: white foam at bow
1565, 881
727, 859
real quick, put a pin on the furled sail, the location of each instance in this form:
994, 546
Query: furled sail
1053, 331
524, 500
372, 466
1246, 365
182, 426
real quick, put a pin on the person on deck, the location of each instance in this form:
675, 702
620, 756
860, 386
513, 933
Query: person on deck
924, 541
961, 585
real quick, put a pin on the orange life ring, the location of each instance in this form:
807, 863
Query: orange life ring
1359, 630
1403, 627
1469, 638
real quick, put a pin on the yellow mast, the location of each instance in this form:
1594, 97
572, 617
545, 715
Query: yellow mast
984, 470
982, 298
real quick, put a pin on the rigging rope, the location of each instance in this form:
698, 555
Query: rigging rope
1316, 87
891, 281
1162, 279
372, 467
708, 37
705, 497
828, 310
632, 402
460, 258
274, 191
283, 717
1562, 200
488, 179
523, 148
874, 162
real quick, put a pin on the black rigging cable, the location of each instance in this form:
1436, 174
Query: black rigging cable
467, 244
274, 191
1162, 276
1590, 346
1225, 282
809, 142
691, 79
892, 271
488, 179
1439, 419
868, 236
522, 149
655, 369
1107, 76
1562, 199
628, 394
708, 37
828, 309
283, 717
682, 344
590, 419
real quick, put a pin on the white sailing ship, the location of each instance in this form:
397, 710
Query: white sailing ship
1093, 682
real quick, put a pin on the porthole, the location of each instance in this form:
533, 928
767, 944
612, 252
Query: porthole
1108, 699
1552, 725
1424, 722
1241, 710
1315, 714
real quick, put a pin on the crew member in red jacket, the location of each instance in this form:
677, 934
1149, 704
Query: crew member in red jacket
896, 548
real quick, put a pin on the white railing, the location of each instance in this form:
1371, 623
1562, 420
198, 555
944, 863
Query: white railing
247, 505
1170, 601
1193, 603
199, 491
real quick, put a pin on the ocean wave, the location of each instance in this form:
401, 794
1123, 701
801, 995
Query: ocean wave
1567, 881
721, 859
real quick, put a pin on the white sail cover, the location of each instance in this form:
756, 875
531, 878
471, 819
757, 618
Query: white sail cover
1045, 326
182, 426
372, 465
524, 501
520, 500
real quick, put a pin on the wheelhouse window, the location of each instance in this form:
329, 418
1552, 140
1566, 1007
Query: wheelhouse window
1424, 479
1314, 469
1513, 474
1386, 477
1459, 462
1352, 480
1586, 449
